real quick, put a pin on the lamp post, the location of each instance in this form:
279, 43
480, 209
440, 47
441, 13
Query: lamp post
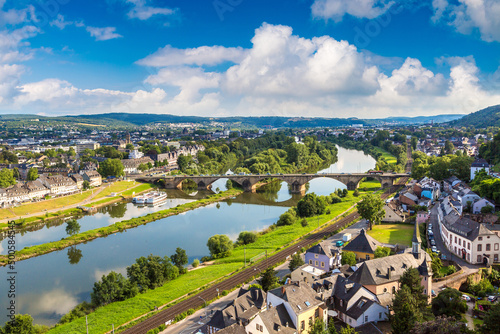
217, 292
204, 301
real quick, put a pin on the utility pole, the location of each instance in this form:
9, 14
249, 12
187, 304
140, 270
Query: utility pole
245, 254
87, 324
113, 328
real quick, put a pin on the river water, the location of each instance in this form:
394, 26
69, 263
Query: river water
50, 285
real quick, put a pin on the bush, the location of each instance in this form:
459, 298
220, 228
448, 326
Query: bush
246, 238
304, 222
195, 263
190, 311
206, 259
356, 193
224, 293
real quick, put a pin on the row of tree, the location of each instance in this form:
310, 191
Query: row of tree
441, 168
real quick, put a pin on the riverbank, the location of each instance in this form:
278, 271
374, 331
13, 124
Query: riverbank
271, 241
67, 206
79, 238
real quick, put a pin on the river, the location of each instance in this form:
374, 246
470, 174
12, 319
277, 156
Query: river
50, 285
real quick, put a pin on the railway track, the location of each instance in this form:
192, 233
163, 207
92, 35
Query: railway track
210, 293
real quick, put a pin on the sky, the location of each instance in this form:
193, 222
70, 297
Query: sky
294, 58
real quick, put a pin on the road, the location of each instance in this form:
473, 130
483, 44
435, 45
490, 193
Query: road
196, 301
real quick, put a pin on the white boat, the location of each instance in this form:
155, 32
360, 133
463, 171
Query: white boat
155, 197
142, 199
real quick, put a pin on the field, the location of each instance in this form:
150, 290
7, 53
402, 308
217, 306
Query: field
271, 240
393, 233
116, 187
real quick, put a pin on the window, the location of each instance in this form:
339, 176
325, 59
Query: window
368, 257
350, 321
495, 257
322, 264
479, 258
315, 256
385, 289
302, 325
310, 321
480, 238
468, 245
455, 239
460, 242
366, 318
479, 247
380, 315
393, 290
310, 261
488, 247
316, 263
496, 246
316, 313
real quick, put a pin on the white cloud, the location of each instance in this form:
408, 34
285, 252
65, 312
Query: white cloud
16, 16
103, 34
203, 55
60, 22
336, 9
470, 15
140, 10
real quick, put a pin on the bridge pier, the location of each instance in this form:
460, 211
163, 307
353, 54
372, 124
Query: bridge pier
298, 188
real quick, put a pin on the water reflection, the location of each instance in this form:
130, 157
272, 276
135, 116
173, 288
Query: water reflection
74, 255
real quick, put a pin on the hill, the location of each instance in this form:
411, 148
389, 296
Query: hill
480, 119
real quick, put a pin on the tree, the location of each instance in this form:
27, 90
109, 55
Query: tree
32, 174
111, 288
180, 258
487, 209
318, 327
195, 263
151, 272
448, 147
129, 146
219, 246
183, 162
348, 258
406, 311
414, 142
86, 185
295, 262
449, 302
246, 238
111, 167
311, 205
411, 278
72, 227
286, 219
7, 178
268, 279
371, 208
491, 323
382, 252
441, 325
22, 324
16, 174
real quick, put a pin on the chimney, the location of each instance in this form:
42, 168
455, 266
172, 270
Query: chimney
286, 324
389, 273
283, 290
270, 305
278, 328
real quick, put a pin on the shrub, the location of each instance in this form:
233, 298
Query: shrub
286, 219
246, 238
304, 222
195, 263
224, 292
206, 259
190, 311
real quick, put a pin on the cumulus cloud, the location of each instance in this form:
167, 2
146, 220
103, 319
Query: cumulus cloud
280, 74
16, 16
203, 55
468, 16
336, 9
103, 34
140, 10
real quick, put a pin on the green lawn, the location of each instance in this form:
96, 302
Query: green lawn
121, 312
117, 187
51, 204
389, 158
393, 233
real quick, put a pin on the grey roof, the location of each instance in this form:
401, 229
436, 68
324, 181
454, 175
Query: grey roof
323, 248
277, 320
299, 295
480, 163
362, 243
390, 268
359, 307
233, 329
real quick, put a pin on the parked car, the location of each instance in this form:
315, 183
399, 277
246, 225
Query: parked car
433, 242
339, 243
434, 249
466, 298
492, 299
431, 233
433, 293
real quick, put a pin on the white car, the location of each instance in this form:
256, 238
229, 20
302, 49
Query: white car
434, 249
466, 298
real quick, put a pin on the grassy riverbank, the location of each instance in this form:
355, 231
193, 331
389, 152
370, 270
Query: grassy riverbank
37, 250
270, 240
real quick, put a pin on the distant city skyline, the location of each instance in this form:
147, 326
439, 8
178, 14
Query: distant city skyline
324, 58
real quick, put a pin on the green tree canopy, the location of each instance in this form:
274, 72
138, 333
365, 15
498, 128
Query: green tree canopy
449, 302
32, 174
268, 279
295, 262
311, 205
348, 258
382, 252
111, 167
7, 178
112, 287
180, 258
245, 237
371, 207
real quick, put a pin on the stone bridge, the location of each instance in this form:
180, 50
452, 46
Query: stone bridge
297, 182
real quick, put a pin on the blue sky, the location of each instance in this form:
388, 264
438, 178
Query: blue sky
330, 58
